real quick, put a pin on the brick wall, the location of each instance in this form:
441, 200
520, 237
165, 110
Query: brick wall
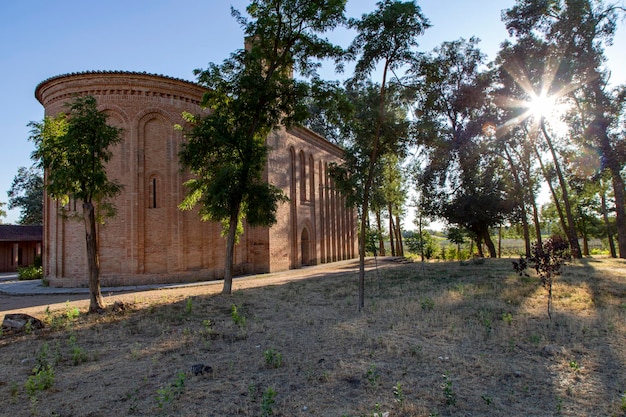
150, 240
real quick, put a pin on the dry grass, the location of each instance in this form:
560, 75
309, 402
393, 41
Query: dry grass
435, 339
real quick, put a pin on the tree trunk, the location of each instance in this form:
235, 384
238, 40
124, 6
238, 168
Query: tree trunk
607, 224
96, 303
585, 244
381, 241
519, 189
367, 188
559, 210
490, 246
613, 165
399, 243
598, 128
392, 232
572, 235
230, 252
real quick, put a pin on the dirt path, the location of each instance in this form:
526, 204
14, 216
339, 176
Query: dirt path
36, 305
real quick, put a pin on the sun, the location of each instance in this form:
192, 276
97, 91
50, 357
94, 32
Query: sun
541, 106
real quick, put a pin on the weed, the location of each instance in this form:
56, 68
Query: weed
253, 390
415, 350
71, 313
132, 397
448, 392
398, 395
238, 318
77, 353
623, 402
267, 402
14, 389
507, 318
427, 304
41, 360
167, 394
487, 399
488, 327
378, 413
372, 375
273, 358
574, 366
189, 306
41, 380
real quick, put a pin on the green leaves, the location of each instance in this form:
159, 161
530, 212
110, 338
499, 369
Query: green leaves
388, 34
74, 148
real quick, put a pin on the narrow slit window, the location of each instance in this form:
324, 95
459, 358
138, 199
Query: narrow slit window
154, 193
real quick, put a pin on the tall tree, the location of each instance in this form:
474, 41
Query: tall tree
461, 178
579, 29
3, 213
249, 95
26, 193
388, 37
73, 149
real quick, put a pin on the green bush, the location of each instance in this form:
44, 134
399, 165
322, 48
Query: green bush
29, 272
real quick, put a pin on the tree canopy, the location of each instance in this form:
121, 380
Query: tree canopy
250, 94
74, 148
26, 193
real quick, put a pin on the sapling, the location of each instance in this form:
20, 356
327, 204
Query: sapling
547, 260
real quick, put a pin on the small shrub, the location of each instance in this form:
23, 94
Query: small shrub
41, 380
372, 375
77, 353
29, 273
427, 303
547, 260
273, 359
189, 306
507, 318
238, 318
398, 395
267, 402
448, 392
167, 394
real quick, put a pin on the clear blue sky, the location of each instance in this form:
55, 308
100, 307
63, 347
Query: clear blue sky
42, 39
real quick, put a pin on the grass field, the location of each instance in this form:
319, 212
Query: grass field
435, 339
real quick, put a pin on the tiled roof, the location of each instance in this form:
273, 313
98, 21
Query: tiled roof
16, 233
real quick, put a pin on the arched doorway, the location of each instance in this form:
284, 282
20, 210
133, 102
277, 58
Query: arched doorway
305, 245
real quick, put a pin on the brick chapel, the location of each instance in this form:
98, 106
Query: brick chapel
150, 240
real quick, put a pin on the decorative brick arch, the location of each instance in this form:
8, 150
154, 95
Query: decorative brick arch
307, 244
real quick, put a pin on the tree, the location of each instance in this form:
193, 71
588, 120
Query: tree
579, 30
249, 95
73, 149
2, 212
387, 36
26, 192
462, 179
456, 236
